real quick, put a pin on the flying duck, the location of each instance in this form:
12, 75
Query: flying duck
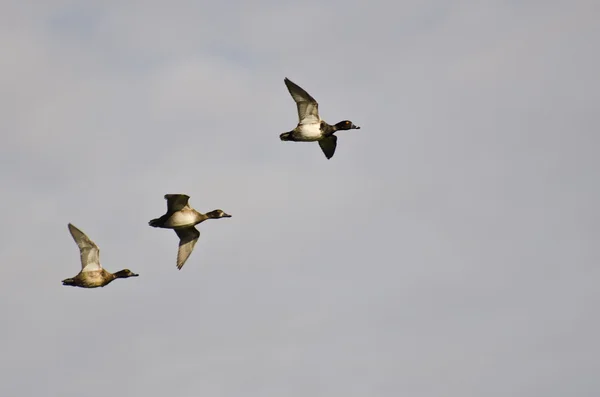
182, 218
92, 275
310, 126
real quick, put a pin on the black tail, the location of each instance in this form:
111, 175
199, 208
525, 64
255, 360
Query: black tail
68, 281
155, 222
286, 136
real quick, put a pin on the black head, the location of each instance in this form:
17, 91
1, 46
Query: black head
125, 273
217, 214
346, 125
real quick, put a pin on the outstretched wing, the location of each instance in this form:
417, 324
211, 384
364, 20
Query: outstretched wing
187, 240
89, 251
328, 145
176, 202
308, 108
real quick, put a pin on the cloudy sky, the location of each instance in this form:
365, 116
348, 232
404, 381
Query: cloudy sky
449, 248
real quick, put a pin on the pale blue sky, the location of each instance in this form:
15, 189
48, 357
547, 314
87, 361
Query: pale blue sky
450, 247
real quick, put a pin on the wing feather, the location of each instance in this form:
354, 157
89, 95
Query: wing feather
308, 108
89, 251
328, 145
176, 202
188, 237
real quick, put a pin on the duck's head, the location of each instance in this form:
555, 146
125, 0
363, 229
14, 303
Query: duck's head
216, 214
285, 136
346, 125
125, 273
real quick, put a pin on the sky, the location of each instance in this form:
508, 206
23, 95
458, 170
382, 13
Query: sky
449, 248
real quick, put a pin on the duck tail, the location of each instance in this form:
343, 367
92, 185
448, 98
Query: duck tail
286, 136
155, 222
68, 281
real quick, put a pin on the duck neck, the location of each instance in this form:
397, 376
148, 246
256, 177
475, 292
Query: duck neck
328, 129
203, 217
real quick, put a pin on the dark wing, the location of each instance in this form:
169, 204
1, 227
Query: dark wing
176, 202
328, 145
187, 240
89, 251
308, 108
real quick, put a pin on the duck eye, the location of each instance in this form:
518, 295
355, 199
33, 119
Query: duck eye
347, 123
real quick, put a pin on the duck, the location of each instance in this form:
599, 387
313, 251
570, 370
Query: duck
92, 275
310, 126
182, 219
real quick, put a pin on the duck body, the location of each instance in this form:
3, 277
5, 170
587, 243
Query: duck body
310, 126
186, 217
90, 279
92, 274
309, 132
182, 219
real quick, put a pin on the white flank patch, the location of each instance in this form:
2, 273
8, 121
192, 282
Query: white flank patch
310, 131
182, 218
